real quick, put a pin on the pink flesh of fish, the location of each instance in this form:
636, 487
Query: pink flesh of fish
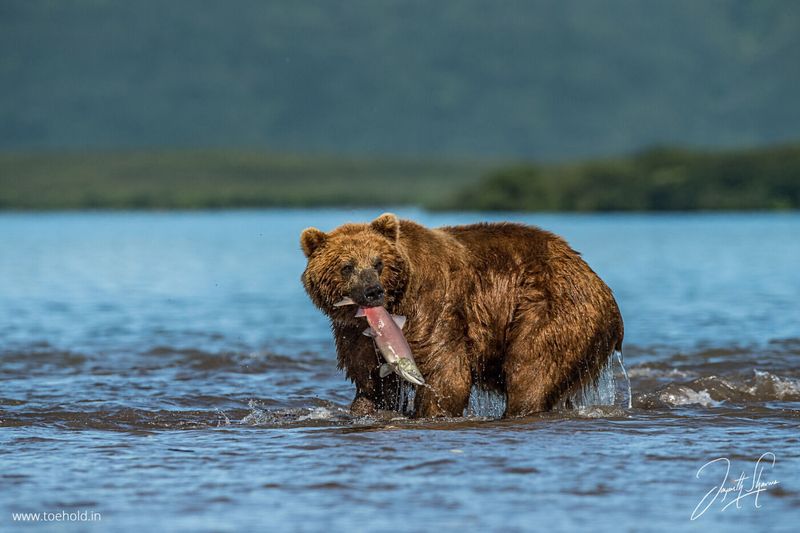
392, 344
388, 336
386, 331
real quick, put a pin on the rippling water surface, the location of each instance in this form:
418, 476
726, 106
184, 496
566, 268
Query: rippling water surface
167, 371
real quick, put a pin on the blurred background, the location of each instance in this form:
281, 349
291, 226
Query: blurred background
517, 105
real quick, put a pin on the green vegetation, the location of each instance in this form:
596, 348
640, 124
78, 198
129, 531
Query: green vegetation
197, 179
539, 79
654, 180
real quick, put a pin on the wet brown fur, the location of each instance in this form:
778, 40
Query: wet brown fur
508, 307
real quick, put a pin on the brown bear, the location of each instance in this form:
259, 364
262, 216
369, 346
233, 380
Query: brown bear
506, 307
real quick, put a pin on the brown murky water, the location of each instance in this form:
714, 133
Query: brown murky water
166, 370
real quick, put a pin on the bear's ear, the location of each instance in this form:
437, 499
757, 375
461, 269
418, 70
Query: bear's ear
311, 239
387, 225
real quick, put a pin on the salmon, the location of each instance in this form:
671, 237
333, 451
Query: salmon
386, 330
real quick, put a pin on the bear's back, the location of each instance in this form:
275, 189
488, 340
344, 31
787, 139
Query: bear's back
507, 240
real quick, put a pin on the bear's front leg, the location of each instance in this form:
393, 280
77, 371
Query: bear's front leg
448, 383
362, 406
360, 361
375, 393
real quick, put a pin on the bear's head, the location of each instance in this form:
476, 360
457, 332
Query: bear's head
359, 261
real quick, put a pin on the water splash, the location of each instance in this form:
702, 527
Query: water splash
405, 398
485, 403
222, 418
625, 381
317, 413
713, 391
765, 384
329, 414
611, 388
680, 395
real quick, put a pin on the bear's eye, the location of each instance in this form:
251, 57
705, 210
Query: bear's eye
378, 264
347, 269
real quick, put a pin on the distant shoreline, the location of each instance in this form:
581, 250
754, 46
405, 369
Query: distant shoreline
656, 180
659, 179
222, 179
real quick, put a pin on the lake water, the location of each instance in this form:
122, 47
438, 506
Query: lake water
167, 371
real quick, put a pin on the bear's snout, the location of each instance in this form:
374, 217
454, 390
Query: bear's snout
368, 291
373, 293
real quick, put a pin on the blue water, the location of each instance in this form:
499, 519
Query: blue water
166, 370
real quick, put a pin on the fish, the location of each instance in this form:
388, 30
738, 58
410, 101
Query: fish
386, 330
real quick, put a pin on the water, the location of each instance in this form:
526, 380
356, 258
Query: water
167, 371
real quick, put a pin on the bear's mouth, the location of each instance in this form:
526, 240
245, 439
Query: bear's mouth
347, 301
374, 296
347, 315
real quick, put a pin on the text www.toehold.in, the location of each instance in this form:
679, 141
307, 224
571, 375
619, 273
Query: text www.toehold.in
60, 516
